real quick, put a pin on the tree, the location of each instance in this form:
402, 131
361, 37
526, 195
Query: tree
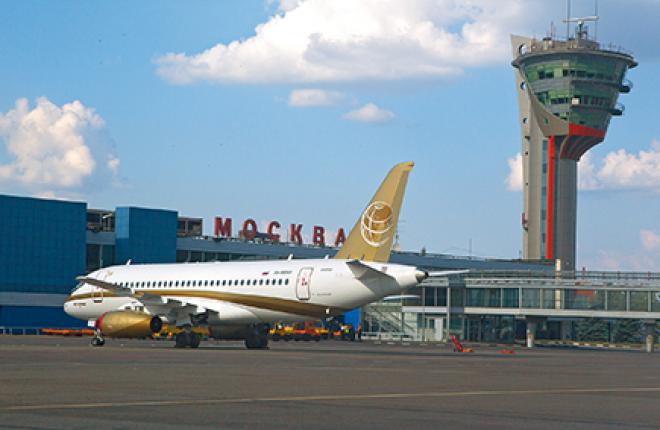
592, 329
627, 331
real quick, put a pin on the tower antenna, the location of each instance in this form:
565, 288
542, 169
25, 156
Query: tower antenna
568, 18
596, 23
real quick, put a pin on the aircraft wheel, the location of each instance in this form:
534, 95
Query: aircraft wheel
97, 341
195, 340
256, 342
182, 340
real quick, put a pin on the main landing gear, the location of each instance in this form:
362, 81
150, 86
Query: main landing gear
258, 339
187, 338
97, 339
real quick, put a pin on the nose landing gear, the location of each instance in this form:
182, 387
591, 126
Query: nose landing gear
97, 339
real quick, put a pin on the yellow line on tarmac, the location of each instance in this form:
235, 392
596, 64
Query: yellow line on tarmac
439, 394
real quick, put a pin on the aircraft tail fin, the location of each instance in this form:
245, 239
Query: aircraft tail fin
372, 236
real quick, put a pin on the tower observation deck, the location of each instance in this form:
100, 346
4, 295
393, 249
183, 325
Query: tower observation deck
567, 94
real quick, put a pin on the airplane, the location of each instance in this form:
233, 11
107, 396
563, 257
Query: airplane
238, 300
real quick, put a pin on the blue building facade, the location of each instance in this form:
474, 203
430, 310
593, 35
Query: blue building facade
145, 235
42, 250
43, 244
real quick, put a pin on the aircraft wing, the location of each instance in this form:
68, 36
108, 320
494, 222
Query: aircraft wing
443, 273
142, 296
117, 289
364, 272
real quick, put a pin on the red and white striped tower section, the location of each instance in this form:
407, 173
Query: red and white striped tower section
567, 94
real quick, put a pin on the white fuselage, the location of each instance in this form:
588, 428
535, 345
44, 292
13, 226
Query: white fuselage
237, 293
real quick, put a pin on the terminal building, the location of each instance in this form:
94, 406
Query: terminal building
47, 243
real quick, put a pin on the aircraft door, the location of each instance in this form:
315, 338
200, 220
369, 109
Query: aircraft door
303, 283
97, 293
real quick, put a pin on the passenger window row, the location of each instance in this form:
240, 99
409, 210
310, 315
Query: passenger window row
205, 283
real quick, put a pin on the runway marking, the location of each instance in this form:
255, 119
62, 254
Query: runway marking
184, 402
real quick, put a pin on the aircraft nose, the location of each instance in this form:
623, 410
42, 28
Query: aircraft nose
68, 309
420, 275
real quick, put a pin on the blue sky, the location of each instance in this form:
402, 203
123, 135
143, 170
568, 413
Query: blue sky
229, 138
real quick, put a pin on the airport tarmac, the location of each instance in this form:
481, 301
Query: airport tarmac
55, 382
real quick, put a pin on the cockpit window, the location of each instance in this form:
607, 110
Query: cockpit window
77, 287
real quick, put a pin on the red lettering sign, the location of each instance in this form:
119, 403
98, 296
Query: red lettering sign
251, 232
318, 237
222, 228
273, 236
341, 237
294, 233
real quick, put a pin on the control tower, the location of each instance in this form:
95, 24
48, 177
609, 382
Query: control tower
567, 94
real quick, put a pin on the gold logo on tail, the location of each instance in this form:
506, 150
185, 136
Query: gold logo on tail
376, 221
373, 233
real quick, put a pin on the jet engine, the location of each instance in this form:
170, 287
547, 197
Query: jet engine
128, 324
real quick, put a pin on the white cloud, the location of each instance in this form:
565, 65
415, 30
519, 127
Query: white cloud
587, 174
53, 148
637, 261
369, 113
640, 259
514, 180
618, 170
314, 97
287, 5
650, 240
621, 170
349, 40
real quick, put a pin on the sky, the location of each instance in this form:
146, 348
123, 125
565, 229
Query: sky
294, 111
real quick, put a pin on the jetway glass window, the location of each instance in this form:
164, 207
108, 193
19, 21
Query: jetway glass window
585, 299
548, 299
457, 299
429, 296
475, 296
441, 297
510, 297
493, 297
639, 301
483, 297
655, 301
616, 300
531, 298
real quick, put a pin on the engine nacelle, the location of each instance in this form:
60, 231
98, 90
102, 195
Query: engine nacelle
128, 324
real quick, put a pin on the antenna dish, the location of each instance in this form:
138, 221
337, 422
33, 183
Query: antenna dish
582, 31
